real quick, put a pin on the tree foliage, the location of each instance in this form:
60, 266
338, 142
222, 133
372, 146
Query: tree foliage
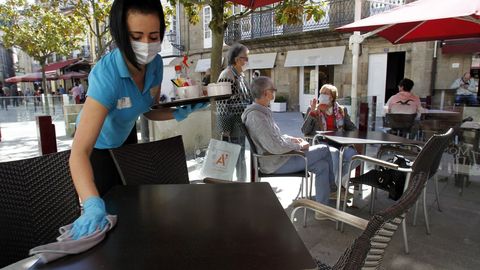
40, 29
286, 12
94, 14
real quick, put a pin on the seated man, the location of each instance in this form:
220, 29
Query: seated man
266, 136
466, 90
404, 101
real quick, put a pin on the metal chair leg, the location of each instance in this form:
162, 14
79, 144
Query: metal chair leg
405, 237
304, 217
437, 194
300, 189
425, 213
372, 200
415, 214
311, 185
344, 204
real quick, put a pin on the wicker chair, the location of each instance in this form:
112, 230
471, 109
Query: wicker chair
37, 197
158, 162
427, 160
367, 251
255, 156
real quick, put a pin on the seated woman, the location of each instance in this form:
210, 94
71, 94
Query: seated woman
327, 115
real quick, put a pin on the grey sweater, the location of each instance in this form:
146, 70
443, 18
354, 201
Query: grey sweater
266, 136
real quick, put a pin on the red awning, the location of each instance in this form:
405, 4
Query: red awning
465, 46
423, 20
14, 79
73, 75
59, 65
31, 77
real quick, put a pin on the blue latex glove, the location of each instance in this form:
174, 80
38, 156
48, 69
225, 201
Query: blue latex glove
182, 112
94, 217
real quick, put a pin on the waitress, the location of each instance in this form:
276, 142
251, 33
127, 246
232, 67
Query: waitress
123, 85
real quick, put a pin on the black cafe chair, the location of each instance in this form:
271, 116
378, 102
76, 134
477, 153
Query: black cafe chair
37, 197
427, 160
154, 163
401, 124
157, 162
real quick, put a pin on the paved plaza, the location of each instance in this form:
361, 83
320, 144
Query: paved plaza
453, 244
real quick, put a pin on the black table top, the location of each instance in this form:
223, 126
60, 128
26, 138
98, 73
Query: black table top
211, 226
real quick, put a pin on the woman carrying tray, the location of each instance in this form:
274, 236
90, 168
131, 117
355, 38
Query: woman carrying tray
123, 85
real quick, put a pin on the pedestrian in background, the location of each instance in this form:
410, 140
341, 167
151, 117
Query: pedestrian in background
466, 90
229, 111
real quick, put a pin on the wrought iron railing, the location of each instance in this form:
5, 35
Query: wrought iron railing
262, 24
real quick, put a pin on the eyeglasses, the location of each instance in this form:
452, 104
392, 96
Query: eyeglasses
244, 58
272, 89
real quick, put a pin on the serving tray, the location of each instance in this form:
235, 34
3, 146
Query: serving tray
186, 101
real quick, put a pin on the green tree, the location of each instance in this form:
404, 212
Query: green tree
40, 30
286, 12
95, 14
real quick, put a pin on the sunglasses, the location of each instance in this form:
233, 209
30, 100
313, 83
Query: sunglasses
272, 89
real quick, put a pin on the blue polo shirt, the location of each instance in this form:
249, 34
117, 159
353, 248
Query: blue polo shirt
111, 85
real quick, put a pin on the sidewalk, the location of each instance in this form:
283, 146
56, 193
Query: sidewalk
456, 226
19, 140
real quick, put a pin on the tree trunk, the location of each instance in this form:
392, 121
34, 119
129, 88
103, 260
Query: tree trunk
44, 79
98, 37
46, 106
217, 25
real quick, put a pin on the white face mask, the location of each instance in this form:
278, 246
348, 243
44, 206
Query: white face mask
324, 99
145, 52
244, 67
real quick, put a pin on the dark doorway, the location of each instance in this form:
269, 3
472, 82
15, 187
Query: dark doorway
395, 72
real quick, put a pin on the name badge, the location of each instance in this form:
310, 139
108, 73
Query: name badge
124, 103
154, 91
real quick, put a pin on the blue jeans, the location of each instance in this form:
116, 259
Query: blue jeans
320, 163
348, 153
466, 99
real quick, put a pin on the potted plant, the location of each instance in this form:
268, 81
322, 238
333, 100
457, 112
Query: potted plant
279, 104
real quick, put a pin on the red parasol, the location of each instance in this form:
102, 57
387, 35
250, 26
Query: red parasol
423, 20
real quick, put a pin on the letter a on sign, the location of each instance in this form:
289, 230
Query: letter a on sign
222, 159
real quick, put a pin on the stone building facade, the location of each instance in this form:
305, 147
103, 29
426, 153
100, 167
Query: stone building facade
381, 64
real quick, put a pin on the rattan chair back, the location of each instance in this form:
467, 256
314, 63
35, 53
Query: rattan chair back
158, 162
37, 197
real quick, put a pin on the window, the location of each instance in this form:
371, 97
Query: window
207, 32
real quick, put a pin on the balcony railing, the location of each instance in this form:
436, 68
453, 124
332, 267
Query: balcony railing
262, 24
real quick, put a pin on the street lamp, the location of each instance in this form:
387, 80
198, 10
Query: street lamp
172, 38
